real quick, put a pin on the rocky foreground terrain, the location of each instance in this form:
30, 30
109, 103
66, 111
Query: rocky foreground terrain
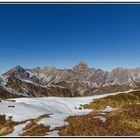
81, 80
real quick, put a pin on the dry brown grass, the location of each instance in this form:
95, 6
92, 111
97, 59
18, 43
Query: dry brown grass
124, 121
114, 100
125, 124
41, 117
29, 125
7, 126
34, 129
6, 130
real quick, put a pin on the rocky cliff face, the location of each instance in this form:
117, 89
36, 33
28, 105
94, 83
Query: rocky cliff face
81, 80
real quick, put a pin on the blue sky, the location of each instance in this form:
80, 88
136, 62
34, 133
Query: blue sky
104, 36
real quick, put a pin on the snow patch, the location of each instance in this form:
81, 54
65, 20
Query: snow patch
108, 109
17, 130
53, 133
59, 108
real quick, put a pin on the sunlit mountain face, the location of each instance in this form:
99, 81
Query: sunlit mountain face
81, 80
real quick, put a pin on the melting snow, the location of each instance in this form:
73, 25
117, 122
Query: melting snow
53, 133
108, 109
59, 109
17, 130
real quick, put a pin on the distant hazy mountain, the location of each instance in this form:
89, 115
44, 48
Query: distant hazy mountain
78, 81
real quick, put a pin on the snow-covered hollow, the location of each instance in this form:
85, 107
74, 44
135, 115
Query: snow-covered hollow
27, 108
59, 108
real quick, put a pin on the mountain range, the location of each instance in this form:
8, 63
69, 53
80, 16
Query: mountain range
81, 80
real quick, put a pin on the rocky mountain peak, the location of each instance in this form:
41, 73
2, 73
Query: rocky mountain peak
17, 71
81, 80
18, 67
80, 67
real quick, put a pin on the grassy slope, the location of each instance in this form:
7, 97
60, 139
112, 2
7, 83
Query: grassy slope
124, 121
115, 101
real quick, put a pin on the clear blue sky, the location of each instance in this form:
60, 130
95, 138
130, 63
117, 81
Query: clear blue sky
104, 36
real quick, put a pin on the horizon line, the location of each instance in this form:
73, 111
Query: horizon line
62, 68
